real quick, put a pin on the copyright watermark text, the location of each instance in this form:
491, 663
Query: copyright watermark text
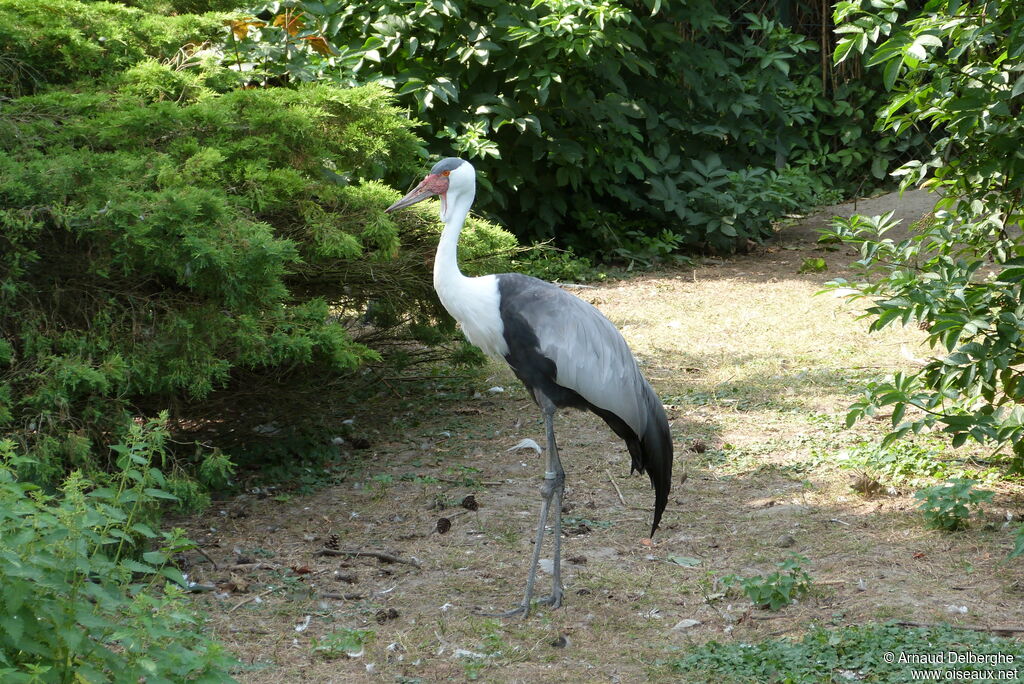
949, 658
957, 666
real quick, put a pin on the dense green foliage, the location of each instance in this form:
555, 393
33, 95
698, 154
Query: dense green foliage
84, 595
62, 41
955, 68
854, 653
915, 463
169, 240
630, 128
166, 240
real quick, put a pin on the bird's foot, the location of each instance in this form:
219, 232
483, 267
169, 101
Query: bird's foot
554, 600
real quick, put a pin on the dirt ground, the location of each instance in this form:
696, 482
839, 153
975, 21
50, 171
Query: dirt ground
756, 370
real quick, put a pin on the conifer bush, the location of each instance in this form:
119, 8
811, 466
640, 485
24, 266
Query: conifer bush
166, 239
172, 245
63, 41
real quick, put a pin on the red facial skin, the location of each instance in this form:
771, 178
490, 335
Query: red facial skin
433, 184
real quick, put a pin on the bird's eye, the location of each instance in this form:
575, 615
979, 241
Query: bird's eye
445, 173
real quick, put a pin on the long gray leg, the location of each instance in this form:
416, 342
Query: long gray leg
551, 493
555, 475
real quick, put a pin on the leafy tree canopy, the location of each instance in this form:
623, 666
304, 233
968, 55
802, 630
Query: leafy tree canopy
622, 128
954, 69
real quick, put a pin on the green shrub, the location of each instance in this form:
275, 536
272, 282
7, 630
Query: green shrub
900, 463
777, 590
947, 506
628, 129
868, 653
952, 68
180, 6
343, 643
86, 589
155, 251
43, 43
552, 264
1018, 543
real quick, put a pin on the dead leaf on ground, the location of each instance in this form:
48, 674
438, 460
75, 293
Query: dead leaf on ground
236, 584
385, 614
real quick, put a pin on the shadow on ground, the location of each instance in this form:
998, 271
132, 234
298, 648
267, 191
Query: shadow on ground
757, 371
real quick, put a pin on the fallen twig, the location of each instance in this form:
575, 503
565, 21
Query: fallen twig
837, 520
254, 566
615, 484
388, 385
202, 553
974, 628
462, 483
379, 555
251, 598
197, 588
341, 597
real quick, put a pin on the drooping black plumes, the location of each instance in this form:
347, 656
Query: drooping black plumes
531, 308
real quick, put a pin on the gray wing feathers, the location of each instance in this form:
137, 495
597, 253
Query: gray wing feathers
590, 354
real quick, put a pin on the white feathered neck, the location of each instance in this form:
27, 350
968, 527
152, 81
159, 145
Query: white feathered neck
473, 302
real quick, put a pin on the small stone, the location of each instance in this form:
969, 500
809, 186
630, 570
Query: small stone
785, 541
686, 624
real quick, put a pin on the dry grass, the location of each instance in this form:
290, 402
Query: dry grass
757, 371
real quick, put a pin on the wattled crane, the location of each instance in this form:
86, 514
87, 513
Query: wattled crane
561, 347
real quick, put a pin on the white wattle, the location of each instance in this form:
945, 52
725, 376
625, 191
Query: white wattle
473, 302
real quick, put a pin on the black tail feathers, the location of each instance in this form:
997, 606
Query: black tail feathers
656, 457
652, 454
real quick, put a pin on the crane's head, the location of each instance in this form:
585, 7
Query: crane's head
451, 176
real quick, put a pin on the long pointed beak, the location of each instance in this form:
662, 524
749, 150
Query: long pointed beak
430, 186
417, 194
